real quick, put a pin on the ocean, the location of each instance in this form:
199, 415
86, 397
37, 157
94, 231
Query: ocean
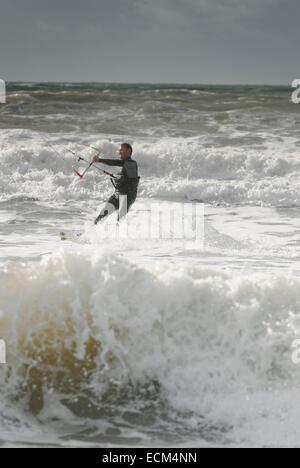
150, 341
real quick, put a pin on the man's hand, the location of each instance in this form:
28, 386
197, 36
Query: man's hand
96, 159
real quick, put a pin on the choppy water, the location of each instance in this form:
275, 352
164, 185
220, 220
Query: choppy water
150, 342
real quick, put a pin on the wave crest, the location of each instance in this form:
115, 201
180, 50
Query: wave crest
84, 322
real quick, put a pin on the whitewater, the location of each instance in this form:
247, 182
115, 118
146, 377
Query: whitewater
143, 341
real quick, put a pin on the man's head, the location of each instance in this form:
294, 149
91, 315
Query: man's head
125, 151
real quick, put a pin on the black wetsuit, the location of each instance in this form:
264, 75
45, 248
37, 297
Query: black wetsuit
126, 183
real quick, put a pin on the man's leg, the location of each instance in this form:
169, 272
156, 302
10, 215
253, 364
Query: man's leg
108, 209
123, 207
125, 203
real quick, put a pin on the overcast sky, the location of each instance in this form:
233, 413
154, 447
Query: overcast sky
184, 41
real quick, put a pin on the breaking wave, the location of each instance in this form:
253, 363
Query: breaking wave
215, 346
176, 168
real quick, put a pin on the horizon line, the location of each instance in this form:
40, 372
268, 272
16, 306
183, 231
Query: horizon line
145, 83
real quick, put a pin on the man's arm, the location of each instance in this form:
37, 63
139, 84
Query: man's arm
109, 162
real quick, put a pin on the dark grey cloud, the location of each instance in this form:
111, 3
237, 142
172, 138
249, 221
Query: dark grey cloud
226, 41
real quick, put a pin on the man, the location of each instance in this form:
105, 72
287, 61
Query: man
126, 183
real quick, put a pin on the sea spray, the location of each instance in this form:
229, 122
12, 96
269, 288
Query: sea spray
74, 323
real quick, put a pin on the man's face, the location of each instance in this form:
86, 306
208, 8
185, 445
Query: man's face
124, 153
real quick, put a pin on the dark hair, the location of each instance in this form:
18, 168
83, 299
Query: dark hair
128, 147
